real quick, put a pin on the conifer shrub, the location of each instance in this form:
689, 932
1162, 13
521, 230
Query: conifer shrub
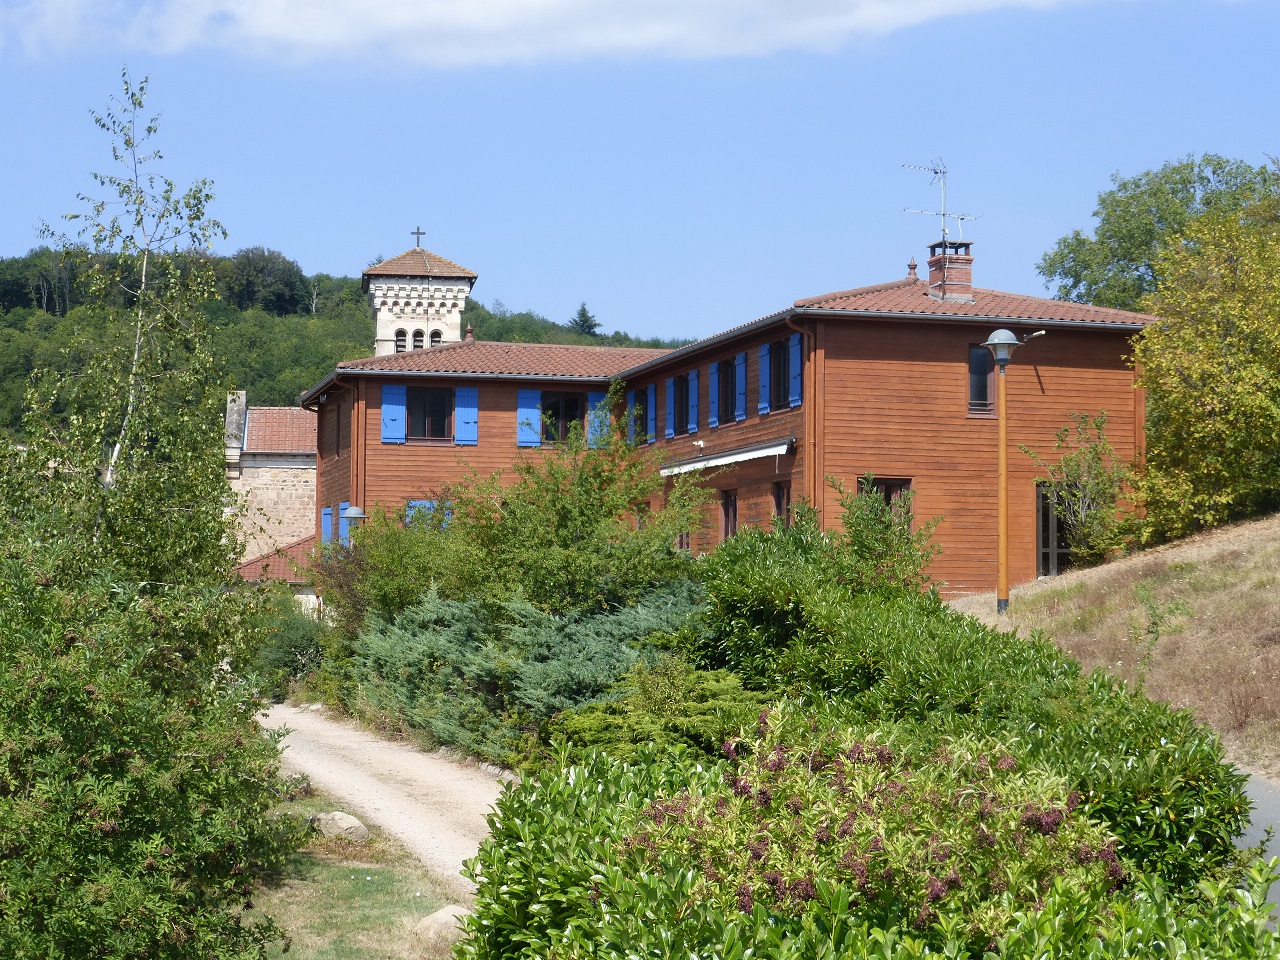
664, 703
486, 678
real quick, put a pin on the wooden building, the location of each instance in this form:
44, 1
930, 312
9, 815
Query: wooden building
889, 380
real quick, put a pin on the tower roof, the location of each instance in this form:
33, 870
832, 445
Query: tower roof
417, 263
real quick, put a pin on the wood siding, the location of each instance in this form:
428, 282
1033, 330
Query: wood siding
895, 404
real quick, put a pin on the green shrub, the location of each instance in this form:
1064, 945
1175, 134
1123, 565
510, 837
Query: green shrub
669, 857
134, 780
665, 704
291, 649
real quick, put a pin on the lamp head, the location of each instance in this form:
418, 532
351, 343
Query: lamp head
1001, 344
353, 513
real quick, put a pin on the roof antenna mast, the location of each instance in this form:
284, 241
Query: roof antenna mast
939, 171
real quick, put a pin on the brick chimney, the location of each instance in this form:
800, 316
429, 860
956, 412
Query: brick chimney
951, 271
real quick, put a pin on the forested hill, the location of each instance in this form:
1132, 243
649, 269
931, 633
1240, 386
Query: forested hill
275, 330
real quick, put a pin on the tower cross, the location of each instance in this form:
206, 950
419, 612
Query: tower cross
419, 234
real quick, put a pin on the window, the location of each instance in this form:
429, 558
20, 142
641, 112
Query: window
430, 413
728, 376
560, 411
436, 338
684, 541
1053, 553
981, 371
682, 404
728, 513
781, 503
417, 339
401, 341
891, 488
781, 375
638, 411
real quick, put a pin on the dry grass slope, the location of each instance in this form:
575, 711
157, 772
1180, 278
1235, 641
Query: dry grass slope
1197, 623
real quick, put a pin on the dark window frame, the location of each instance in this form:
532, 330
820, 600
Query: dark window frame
779, 375
1053, 553
727, 374
982, 382
560, 410
641, 413
781, 503
891, 488
429, 414
681, 405
728, 513
402, 340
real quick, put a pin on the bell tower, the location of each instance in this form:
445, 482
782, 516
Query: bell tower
416, 299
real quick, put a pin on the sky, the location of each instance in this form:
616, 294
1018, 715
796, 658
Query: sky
682, 166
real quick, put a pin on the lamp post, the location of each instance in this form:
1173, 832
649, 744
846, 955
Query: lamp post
1001, 344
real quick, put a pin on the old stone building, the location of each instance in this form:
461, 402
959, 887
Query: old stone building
271, 464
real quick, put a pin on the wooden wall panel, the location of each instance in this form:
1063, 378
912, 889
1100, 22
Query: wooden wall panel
896, 405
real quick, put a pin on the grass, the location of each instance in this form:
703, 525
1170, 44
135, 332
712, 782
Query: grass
1196, 623
340, 900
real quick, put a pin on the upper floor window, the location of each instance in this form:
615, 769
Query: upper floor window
402, 340
681, 404
430, 413
981, 372
560, 411
436, 338
417, 339
727, 391
781, 374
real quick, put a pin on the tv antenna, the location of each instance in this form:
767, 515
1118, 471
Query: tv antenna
939, 171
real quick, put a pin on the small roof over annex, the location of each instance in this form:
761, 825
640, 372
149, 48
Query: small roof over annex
416, 263
279, 430
288, 563
485, 359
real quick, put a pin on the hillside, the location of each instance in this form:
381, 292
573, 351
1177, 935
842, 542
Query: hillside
1197, 621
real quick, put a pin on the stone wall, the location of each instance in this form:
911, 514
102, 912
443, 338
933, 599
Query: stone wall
279, 498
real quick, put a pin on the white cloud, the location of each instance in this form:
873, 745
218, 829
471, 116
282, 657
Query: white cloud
450, 33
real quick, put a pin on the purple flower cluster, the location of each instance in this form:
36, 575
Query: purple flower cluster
1044, 822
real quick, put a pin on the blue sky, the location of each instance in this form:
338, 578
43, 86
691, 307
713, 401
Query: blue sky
681, 165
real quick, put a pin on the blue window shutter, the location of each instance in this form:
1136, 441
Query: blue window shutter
651, 428
796, 369
597, 418
529, 418
693, 400
631, 416
466, 416
393, 413
763, 405
326, 524
413, 507
713, 395
344, 532
740, 381
671, 407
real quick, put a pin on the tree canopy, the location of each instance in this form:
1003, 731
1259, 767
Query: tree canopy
1211, 369
1138, 217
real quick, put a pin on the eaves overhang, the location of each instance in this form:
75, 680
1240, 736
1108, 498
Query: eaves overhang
793, 313
310, 396
772, 448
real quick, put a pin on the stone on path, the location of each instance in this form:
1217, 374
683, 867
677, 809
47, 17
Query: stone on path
339, 824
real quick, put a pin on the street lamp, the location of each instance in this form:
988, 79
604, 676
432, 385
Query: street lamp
353, 515
1001, 343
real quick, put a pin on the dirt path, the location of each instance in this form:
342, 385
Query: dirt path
436, 807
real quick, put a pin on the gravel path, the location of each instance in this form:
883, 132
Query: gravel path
435, 807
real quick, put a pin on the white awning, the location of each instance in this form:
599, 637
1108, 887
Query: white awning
775, 448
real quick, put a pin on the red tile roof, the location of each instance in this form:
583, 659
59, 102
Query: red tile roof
417, 263
280, 430
483, 357
911, 296
288, 563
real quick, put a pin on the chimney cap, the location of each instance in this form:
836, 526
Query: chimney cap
953, 247
911, 268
